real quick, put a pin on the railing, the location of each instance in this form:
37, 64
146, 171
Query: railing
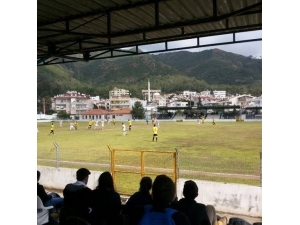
153, 170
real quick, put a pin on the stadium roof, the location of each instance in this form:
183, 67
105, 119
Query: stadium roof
77, 30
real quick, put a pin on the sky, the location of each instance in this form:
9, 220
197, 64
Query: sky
281, 83
253, 48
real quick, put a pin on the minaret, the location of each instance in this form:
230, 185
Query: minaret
149, 91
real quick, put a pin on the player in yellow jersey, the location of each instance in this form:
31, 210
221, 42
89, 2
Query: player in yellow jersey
202, 118
154, 132
114, 121
75, 125
52, 129
129, 124
90, 124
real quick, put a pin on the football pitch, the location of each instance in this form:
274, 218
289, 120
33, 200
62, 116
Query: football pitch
227, 152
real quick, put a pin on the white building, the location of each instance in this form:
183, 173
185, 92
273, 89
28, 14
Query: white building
134, 100
118, 92
220, 94
73, 102
205, 93
119, 99
159, 100
189, 94
241, 100
256, 102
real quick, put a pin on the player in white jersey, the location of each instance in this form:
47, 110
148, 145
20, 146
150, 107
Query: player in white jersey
72, 126
102, 124
124, 129
96, 124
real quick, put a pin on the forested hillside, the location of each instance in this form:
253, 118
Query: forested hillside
171, 72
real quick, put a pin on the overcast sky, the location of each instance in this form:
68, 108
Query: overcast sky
249, 48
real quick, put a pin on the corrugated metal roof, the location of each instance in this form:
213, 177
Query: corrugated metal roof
86, 30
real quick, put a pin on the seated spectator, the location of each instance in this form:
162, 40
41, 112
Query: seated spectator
213, 218
160, 212
77, 197
196, 212
106, 202
48, 199
139, 198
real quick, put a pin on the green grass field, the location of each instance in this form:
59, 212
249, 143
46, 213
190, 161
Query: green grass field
206, 152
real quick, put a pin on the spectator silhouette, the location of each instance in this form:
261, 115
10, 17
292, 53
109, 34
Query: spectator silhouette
48, 199
196, 212
213, 218
140, 198
163, 193
106, 202
77, 197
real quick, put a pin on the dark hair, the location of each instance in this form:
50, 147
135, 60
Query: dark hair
82, 173
163, 189
105, 182
38, 175
190, 189
145, 185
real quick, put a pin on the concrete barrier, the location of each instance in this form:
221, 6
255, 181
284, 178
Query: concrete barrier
229, 198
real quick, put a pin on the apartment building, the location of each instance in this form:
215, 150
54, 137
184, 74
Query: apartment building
159, 100
220, 94
241, 100
73, 102
118, 92
119, 99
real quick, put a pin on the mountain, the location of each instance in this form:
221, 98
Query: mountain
215, 66
170, 72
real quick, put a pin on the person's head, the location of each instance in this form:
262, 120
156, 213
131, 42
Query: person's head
145, 185
190, 189
38, 175
83, 175
154, 125
105, 182
163, 190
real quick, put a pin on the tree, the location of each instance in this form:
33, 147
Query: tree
138, 110
63, 115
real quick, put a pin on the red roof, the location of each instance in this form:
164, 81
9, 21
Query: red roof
120, 111
95, 112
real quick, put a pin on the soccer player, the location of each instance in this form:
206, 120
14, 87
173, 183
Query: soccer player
102, 124
72, 126
96, 124
147, 120
154, 132
52, 129
157, 122
152, 120
108, 120
90, 124
213, 121
60, 123
124, 129
129, 124
202, 118
75, 125
114, 121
